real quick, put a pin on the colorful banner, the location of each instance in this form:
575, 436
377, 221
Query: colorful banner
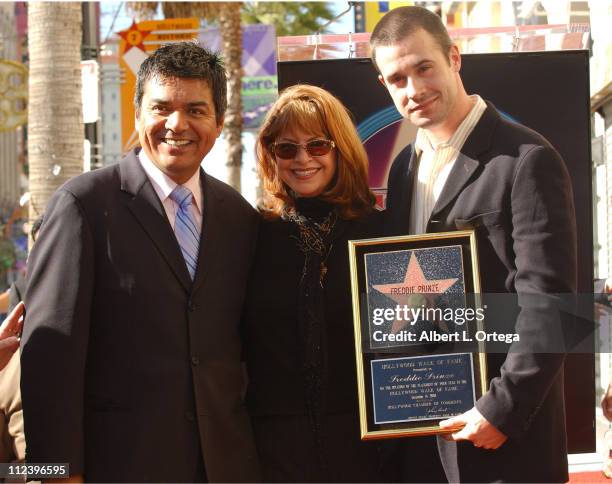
259, 85
374, 11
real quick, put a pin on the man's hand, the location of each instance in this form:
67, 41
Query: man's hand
477, 430
9, 334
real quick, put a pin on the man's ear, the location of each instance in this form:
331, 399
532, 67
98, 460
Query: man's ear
220, 125
381, 80
454, 58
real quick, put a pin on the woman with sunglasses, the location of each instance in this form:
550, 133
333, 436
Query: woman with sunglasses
298, 318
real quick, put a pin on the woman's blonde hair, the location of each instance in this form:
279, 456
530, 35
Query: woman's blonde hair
314, 110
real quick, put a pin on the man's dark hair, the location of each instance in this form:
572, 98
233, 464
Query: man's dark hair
402, 22
189, 61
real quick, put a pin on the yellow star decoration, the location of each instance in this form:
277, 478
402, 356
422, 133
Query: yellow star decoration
134, 37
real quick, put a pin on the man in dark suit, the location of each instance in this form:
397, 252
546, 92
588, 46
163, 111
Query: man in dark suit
471, 168
131, 354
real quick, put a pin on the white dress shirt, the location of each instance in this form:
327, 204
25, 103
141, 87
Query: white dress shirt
435, 162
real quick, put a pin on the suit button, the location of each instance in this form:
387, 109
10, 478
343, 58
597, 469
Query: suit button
191, 307
195, 361
189, 416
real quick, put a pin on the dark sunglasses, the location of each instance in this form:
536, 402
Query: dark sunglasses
316, 147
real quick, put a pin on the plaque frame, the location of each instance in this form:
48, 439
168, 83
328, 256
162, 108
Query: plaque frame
358, 249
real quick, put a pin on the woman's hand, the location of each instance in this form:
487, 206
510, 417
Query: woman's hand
10, 331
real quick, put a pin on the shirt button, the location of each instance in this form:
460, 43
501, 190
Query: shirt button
195, 360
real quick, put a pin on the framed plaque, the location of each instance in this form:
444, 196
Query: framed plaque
418, 324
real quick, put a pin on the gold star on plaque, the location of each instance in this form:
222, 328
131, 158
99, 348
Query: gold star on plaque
413, 289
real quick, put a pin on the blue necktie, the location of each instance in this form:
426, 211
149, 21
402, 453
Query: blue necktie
185, 228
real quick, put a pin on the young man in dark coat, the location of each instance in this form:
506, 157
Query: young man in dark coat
471, 168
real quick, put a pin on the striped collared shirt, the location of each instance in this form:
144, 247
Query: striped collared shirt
435, 162
164, 185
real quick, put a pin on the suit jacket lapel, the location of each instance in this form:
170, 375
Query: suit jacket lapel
149, 212
413, 166
400, 223
211, 237
460, 174
467, 162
